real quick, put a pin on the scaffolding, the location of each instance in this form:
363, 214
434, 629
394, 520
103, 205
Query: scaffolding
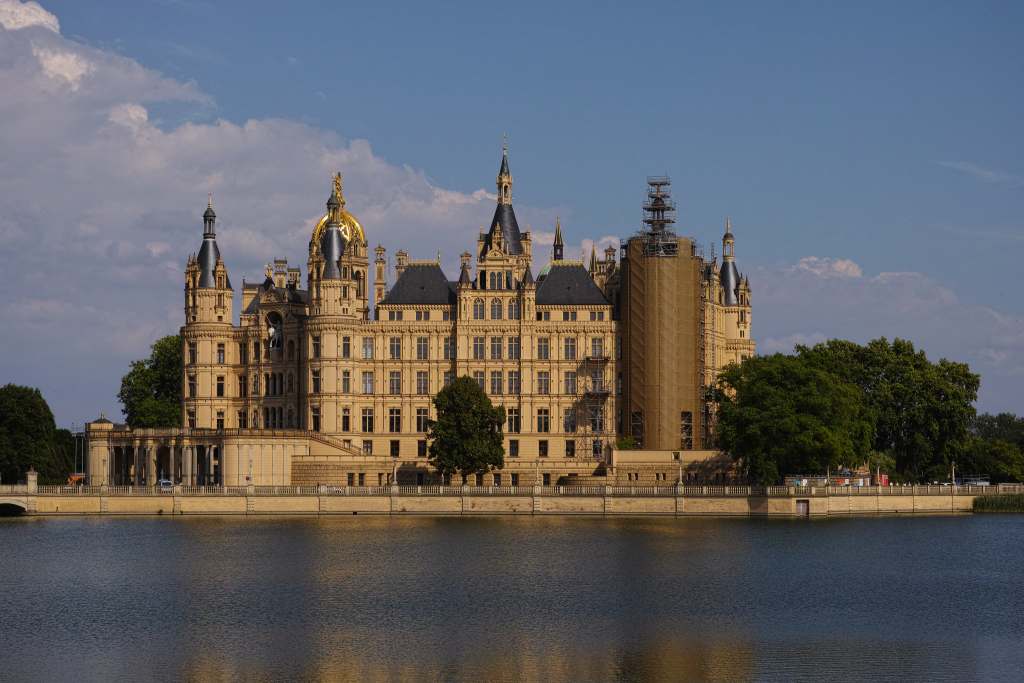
659, 217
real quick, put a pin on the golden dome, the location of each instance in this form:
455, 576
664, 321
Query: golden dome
350, 226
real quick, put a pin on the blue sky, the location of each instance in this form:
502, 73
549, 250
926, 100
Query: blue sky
882, 141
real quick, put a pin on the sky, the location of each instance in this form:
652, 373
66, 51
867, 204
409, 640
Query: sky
869, 155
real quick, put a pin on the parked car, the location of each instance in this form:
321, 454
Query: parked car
165, 485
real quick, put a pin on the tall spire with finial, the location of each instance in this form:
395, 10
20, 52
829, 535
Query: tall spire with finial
504, 176
593, 258
558, 248
209, 218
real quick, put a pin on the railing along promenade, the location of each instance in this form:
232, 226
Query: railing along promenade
685, 491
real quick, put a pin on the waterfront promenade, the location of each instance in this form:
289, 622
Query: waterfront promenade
680, 501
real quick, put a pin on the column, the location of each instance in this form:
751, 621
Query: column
152, 473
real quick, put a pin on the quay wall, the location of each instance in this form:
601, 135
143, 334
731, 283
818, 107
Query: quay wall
531, 501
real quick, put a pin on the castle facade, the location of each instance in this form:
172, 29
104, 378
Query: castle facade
331, 380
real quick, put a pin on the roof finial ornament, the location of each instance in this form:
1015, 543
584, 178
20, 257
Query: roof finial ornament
558, 246
209, 200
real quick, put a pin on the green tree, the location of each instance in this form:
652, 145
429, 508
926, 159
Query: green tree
779, 415
466, 437
28, 437
151, 391
1004, 427
921, 411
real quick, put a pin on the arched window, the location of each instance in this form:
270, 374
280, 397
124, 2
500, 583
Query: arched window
478, 309
496, 309
513, 309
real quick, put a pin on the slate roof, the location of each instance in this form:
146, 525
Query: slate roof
729, 277
569, 285
208, 255
505, 220
421, 284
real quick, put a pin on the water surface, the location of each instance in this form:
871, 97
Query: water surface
512, 598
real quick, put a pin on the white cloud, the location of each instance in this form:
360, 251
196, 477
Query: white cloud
100, 204
16, 15
824, 266
987, 175
806, 305
63, 66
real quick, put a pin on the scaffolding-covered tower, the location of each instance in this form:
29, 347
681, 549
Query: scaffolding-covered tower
662, 312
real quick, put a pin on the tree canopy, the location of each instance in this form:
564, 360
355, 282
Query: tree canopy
843, 404
151, 391
29, 438
466, 437
784, 416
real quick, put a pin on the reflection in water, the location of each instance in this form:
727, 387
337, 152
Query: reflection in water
511, 598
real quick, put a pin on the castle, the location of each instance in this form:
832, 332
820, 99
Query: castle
332, 382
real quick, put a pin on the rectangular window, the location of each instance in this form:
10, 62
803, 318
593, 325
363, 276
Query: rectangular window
367, 348
497, 479
596, 420
496, 382
256, 350
513, 450
479, 377
367, 421
421, 451
316, 381
569, 421
543, 420
570, 382
422, 417
513, 420
597, 347
191, 386
243, 353
243, 386
515, 478
395, 382
315, 418
422, 348
543, 382
367, 450
542, 450
546, 479
570, 448
496, 347
395, 348
243, 419
351, 479
570, 348
255, 385
316, 347
191, 419
422, 315
686, 430
478, 348
220, 419
618, 348
395, 420
346, 381
449, 377
346, 420
543, 348
513, 382
449, 349
446, 315
346, 347
220, 354
514, 348
367, 383
193, 353
422, 382
394, 315
396, 447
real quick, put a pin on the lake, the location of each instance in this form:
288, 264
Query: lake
512, 598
